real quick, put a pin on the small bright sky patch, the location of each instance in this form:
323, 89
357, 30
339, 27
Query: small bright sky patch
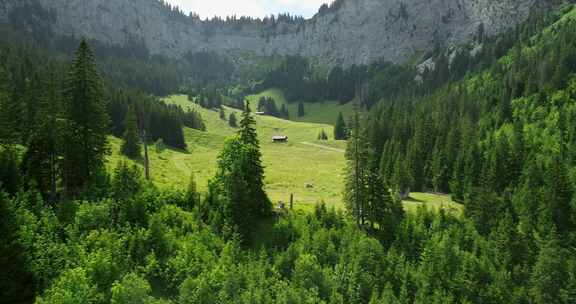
254, 8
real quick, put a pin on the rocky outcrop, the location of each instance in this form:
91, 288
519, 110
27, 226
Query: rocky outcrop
356, 32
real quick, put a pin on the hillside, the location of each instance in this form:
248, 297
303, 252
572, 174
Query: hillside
324, 112
289, 166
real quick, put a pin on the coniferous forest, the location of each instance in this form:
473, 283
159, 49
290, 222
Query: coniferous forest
495, 131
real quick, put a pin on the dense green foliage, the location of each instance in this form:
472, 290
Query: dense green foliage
41, 160
501, 140
31, 86
156, 251
15, 282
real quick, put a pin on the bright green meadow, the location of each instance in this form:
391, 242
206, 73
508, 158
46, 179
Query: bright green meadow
310, 169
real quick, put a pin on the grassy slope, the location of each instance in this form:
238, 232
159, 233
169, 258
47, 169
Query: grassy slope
289, 166
324, 112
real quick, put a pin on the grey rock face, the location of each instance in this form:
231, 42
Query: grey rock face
358, 32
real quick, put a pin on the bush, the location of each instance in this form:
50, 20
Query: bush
72, 287
132, 289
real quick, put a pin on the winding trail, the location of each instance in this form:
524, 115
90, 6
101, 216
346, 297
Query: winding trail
324, 147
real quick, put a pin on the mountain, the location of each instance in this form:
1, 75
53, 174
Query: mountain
347, 32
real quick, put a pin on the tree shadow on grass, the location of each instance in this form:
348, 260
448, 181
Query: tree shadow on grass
411, 199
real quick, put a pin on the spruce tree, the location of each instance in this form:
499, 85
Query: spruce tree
221, 113
438, 167
528, 198
86, 122
247, 132
131, 144
11, 111
232, 120
301, 111
356, 169
29, 101
42, 159
236, 194
457, 179
253, 167
340, 128
192, 194
559, 198
401, 177
382, 210
549, 275
419, 150
127, 181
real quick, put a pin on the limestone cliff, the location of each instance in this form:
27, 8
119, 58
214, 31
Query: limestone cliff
352, 32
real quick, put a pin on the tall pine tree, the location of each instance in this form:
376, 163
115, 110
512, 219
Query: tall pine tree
559, 198
356, 169
254, 169
85, 144
247, 132
382, 210
42, 159
231, 204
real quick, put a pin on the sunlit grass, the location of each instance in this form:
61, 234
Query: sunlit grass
289, 167
309, 169
432, 202
325, 112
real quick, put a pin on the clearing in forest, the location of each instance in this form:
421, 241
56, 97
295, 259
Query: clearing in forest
310, 169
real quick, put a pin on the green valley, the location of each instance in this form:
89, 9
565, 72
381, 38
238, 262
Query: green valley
310, 169
150, 156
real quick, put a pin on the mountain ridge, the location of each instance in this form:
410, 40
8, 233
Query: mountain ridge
353, 32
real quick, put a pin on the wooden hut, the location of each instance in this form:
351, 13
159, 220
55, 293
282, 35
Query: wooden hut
280, 138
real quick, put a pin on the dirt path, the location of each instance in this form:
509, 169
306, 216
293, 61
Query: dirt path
324, 147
